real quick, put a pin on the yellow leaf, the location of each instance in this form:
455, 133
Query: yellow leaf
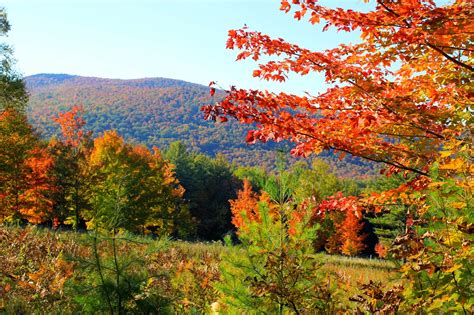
446, 153
452, 165
435, 184
453, 268
458, 205
150, 281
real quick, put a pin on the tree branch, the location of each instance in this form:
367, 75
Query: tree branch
450, 58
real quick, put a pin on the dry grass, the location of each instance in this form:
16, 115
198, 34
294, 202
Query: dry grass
353, 270
26, 251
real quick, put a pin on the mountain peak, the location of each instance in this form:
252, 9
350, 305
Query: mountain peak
42, 80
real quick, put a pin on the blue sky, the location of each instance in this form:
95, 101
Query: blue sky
180, 39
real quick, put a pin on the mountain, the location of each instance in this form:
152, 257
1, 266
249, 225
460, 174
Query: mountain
153, 111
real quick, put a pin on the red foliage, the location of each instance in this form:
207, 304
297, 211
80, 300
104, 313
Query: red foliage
391, 97
71, 123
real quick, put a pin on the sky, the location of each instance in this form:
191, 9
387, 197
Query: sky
179, 39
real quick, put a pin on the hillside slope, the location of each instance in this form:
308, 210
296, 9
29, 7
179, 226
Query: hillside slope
154, 111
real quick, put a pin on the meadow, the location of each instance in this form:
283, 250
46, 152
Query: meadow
46, 271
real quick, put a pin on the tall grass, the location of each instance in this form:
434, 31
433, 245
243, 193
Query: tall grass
29, 257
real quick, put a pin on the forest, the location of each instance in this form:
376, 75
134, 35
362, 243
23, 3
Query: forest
157, 112
115, 197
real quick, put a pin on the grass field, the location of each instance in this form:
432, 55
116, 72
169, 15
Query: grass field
40, 268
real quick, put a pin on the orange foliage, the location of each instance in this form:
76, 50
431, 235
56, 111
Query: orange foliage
346, 216
245, 204
396, 97
352, 239
296, 217
50, 278
35, 204
381, 250
16, 142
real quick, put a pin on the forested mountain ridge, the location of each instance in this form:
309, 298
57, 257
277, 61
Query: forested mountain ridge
154, 111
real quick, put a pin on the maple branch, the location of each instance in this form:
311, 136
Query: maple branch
378, 160
450, 58
391, 110
350, 81
330, 146
389, 10
458, 48
354, 83
432, 46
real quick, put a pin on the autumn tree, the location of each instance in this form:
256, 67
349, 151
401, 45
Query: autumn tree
17, 138
72, 124
36, 204
70, 153
25, 171
401, 96
245, 205
351, 231
346, 234
132, 188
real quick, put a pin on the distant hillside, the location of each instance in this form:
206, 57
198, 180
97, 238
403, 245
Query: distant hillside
154, 111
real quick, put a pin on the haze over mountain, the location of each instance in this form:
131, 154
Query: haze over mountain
153, 111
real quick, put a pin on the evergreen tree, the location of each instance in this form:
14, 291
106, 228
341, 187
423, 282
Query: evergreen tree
209, 185
12, 89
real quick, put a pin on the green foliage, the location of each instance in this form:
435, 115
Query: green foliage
390, 223
320, 181
256, 175
209, 185
132, 188
13, 95
317, 181
275, 269
439, 250
113, 280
